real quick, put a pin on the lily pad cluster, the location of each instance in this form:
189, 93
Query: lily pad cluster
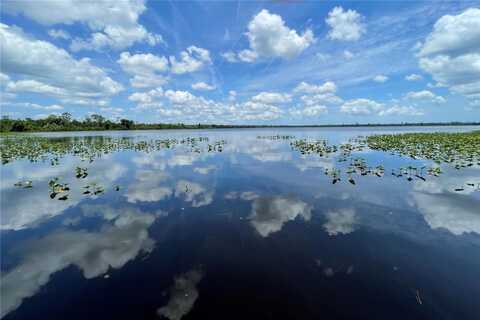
34, 148
57, 188
459, 149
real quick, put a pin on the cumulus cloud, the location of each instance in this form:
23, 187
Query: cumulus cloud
191, 108
327, 98
424, 95
52, 71
451, 52
180, 97
146, 98
145, 69
269, 214
413, 77
191, 60
345, 25
92, 252
361, 107
268, 36
380, 78
183, 295
327, 87
202, 86
114, 24
271, 98
342, 221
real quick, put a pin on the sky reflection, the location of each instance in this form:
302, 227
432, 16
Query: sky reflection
184, 222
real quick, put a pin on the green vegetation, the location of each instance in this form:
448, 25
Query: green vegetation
460, 149
88, 148
65, 122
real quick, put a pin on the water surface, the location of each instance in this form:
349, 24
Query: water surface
247, 228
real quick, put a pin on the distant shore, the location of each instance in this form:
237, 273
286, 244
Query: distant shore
65, 122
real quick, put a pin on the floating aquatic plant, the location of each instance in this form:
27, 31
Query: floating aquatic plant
58, 188
34, 148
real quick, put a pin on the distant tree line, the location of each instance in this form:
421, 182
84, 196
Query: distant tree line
65, 122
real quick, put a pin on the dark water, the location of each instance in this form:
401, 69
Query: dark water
257, 231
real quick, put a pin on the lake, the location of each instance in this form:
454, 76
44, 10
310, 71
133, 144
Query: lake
236, 224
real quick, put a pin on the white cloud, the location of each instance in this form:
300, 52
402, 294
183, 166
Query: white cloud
401, 110
114, 23
144, 68
413, 77
203, 86
451, 52
269, 214
328, 98
380, 78
345, 25
424, 95
145, 98
142, 63
268, 36
50, 70
271, 98
191, 60
454, 34
310, 111
35, 87
342, 221
59, 34
361, 107
180, 97
327, 87
247, 55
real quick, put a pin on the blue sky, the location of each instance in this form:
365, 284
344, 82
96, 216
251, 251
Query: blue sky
271, 62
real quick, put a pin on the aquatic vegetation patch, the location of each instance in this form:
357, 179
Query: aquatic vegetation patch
459, 149
34, 148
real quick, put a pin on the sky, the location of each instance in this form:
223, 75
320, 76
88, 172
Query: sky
242, 62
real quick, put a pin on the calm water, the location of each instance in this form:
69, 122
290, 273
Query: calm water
257, 231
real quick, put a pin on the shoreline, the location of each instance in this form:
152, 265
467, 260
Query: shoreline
215, 127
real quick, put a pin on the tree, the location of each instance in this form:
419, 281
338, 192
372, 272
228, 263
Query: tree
98, 118
66, 117
126, 124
